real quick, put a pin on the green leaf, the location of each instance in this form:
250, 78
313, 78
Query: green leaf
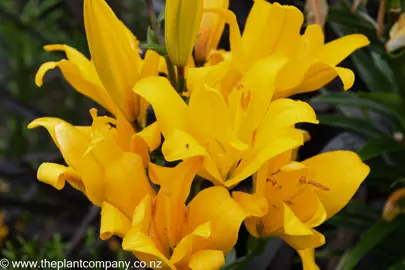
372, 237
392, 101
378, 146
357, 125
152, 37
157, 48
400, 265
385, 103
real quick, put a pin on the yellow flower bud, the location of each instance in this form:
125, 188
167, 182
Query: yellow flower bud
212, 26
397, 35
182, 22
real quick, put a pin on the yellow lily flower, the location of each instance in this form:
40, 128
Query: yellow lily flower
212, 26
275, 29
99, 163
182, 22
196, 236
235, 136
302, 195
397, 35
115, 66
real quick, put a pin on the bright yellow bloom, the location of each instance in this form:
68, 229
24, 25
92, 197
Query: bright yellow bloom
397, 35
395, 205
302, 195
100, 163
274, 29
182, 22
235, 136
211, 29
196, 236
115, 63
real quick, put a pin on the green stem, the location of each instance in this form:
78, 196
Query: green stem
171, 72
181, 82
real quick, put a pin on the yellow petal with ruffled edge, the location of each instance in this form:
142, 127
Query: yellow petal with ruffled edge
285, 113
341, 172
80, 73
253, 205
216, 206
56, 175
114, 54
317, 76
207, 260
299, 242
138, 240
113, 222
337, 50
189, 244
169, 108
73, 146
308, 259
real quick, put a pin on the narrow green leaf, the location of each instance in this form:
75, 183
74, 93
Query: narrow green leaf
374, 235
357, 125
157, 48
152, 37
385, 103
378, 146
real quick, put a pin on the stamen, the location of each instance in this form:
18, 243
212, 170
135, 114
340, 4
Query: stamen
303, 180
316, 184
274, 182
239, 86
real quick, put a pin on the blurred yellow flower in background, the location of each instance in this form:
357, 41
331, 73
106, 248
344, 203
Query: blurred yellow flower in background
212, 26
397, 35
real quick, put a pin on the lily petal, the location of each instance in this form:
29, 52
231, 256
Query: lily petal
341, 172
189, 244
337, 50
207, 260
308, 259
141, 240
300, 242
113, 222
114, 55
216, 205
252, 204
126, 183
56, 175
170, 109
